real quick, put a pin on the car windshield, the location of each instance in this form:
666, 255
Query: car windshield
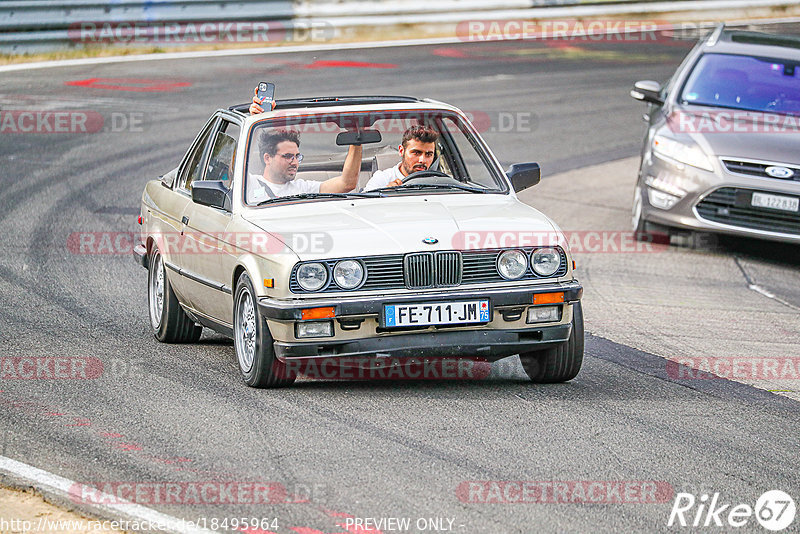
291, 155
744, 82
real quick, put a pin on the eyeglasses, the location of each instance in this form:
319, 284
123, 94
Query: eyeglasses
290, 157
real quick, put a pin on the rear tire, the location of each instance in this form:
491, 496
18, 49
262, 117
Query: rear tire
169, 322
561, 363
253, 342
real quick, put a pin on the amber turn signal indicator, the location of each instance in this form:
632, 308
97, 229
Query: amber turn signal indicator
318, 313
548, 298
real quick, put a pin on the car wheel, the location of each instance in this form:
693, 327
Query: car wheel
253, 341
560, 363
169, 322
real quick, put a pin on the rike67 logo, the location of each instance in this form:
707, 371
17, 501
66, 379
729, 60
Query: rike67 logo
774, 510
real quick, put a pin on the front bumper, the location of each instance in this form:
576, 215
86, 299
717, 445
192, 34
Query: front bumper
486, 344
482, 340
699, 184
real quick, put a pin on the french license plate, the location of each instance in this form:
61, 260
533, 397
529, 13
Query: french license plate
437, 313
775, 202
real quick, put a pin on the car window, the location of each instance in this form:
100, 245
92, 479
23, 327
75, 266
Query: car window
461, 157
223, 154
311, 139
192, 170
744, 82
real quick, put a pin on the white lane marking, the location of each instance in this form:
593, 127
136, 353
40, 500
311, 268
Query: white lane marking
46, 482
521, 14
770, 295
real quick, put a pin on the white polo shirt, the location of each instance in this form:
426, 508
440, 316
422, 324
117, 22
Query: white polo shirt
382, 178
298, 186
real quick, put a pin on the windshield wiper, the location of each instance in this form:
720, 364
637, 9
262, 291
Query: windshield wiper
303, 196
432, 186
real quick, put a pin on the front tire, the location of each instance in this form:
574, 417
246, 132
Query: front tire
560, 363
169, 322
253, 342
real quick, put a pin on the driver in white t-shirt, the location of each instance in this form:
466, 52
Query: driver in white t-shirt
417, 151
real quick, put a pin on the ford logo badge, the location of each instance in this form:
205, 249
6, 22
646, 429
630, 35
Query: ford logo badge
430, 240
779, 172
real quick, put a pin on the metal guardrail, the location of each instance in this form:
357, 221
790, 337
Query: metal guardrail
44, 25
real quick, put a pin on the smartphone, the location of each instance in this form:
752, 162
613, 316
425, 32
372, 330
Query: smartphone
266, 92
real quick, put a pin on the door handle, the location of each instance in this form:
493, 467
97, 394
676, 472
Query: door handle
185, 220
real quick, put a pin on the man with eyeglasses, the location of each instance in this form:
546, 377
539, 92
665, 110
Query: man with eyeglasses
282, 157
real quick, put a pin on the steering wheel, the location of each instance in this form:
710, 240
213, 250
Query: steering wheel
423, 174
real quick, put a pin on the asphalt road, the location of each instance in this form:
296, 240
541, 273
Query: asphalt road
181, 414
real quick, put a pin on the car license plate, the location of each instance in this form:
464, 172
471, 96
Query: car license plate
436, 313
775, 202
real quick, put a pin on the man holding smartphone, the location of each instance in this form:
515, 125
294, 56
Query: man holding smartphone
280, 150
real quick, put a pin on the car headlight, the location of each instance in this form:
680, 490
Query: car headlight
687, 154
545, 261
348, 274
512, 264
312, 276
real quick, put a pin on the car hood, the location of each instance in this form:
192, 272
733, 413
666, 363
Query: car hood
378, 226
740, 134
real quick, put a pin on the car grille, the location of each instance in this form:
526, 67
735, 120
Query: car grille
430, 269
721, 206
752, 168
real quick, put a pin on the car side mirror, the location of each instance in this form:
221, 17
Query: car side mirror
524, 175
211, 193
647, 91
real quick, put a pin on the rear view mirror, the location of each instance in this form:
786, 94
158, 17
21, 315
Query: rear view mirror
524, 175
647, 91
358, 137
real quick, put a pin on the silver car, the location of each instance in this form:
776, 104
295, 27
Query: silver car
722, 151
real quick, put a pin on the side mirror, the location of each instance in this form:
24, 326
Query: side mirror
211, 193
358, 137
647, 91
524, 175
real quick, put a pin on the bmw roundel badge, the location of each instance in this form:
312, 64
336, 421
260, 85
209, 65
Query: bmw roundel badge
430, 240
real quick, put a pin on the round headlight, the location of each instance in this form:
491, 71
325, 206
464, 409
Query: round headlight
545, 261
512, 264
348, 274
312, 276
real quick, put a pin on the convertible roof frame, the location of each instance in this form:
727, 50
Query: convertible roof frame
323, 101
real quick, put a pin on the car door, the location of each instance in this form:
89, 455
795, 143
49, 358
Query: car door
208, 259
174, 205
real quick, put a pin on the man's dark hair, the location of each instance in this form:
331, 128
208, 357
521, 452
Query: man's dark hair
269, 140
423, 134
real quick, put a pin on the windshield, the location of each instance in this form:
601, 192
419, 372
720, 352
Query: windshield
292, 156
744, 82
